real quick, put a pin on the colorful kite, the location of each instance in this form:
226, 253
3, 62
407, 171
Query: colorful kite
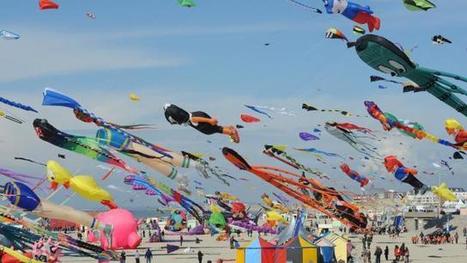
47, 4
308, 136
334, 33
17, 105
187, 3
258, 110
403, 174
354, 175
358, 30
443, 192
418, 5
316, 151
384, 56
308, 107
79, 144
353, 11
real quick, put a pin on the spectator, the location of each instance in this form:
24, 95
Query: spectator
378, 253
364, 242
369, 240
200, 256
396, 253
181, 240
407, 256
148, 256
123, 257
350, 247
456, 237
137, 256
386, 253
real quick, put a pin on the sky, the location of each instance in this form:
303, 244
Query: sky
213, 58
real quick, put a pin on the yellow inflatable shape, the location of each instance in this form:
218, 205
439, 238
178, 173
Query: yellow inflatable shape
443, 192
84, 185
134, 97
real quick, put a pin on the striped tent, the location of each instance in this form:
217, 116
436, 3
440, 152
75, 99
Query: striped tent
297, 250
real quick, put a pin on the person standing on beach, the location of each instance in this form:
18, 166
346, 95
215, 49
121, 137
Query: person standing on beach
378, 253
456, 237
123, 257
148, 256
137, 256
386, 253
200, 256
181, 240
364, 241
350, 247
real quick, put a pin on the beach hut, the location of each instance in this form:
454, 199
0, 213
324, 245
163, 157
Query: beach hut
260, 251
326, 250
296, 250
340, 245
301, 250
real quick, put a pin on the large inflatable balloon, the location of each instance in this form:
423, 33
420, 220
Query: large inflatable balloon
125, 227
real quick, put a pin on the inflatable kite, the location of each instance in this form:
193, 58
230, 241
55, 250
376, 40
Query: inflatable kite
248, 118
7, 35
403, 174
389, 122
199, 120
354, 175
344, 132
384, 56
84, 185
78, 144
326, 200
47, 4
418, 5
456, 130
17, 105
55, 98
443, 192
186, 3
439, 39
353, 11
334, 33
358, 30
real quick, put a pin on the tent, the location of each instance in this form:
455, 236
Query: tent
301, 250
326, 250
297, 250
340, 245
260, 251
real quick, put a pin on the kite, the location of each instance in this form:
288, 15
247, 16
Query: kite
326, 200
274, 205
308, 107
389, 122
316, 10
413, 125
439, 39
403, 174
187, 3
86, 146
134, 97
384, 56
17, 105
258, 110
353, 11
443, 192
344, 132
166, 193
308, 136
47, 4
456, 130
378, 78
55, 98
418, 5
10, 118
84, 185
314, 150
91, 15
354, 175
21, 196
199, 120
7, 35
26, 179
248, 118
358, 30
334, 33
29, 160
279, 154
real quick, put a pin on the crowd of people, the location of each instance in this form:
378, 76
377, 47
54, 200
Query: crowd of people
436, 238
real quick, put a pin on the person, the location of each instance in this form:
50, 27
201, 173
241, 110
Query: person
199, 120
369, 240
396, 253
200, 256
386, 253
350, 247
148, 256
465, 231
123, 257
137, 256
181, 240
407, 256
364, 241
378, 253
456, 237
144, 233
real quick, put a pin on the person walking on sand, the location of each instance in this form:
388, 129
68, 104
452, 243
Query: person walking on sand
123, 257
148, 256
137, 256
456, 237
407, 256
181, 240
350, 247
200, 256
386, 253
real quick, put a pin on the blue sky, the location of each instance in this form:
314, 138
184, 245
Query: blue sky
213, 58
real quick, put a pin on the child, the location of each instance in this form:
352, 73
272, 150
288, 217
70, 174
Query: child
199, 120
